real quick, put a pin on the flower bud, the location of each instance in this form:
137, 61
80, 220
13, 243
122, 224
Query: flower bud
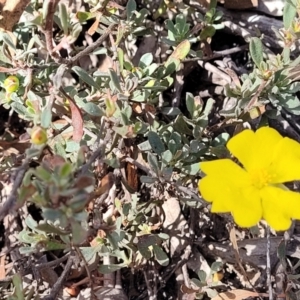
11, 84
38, 136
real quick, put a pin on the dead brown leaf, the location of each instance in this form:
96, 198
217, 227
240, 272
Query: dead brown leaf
95, 25
52, 161
11, 11
18, 145
2, 267
186, 290
84, 181
106, 184
77, 121
237, 295
132, 178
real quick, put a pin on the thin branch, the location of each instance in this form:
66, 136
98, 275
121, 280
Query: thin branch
255, 98
52, 264
211, 68
61, 280
48, 28
12, 199
188, 191
92, 47
81, 256
269, 279
218, 54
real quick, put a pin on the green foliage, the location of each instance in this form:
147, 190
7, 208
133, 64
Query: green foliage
120, 113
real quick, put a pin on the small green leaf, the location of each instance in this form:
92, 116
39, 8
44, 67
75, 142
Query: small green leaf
78, 233
166, 156
160, 256
49, 228
130, 8
52, 214
191, 169
63, 17
207, 32
156, 143
65, 170
84, 76
145, 60
110, 107
202, 276
152, 160
46, 116
190, 103
197, 282
181, 51
72, 146
211, 293
42, 173
83, 16
144, 146
18, 285
256, 51
289, 14
121, 59
115, 80
92, 109
216, 266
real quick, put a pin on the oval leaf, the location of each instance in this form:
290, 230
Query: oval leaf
256, 51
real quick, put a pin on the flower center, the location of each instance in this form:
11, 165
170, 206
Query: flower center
260, 178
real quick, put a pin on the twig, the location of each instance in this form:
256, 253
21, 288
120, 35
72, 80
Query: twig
58, 285
92, 47
269, 279
188, 191
218, 54
209, 67
98, 153
255, 98
81, 256
53, 263
51, 8
12, 199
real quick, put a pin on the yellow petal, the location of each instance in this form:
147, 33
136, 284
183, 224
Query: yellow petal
280, 206
216, 191
286, 164
226, 169
241, 146
255, 150
242, 201
247, 210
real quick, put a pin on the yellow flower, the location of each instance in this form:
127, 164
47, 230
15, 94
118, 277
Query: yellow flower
255, 191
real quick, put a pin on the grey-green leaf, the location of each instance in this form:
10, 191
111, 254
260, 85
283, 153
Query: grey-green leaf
160, 256
115, 80
63, 16
256, 51
289, 13
190, 103
145, 60
84, 76
152, 160
130, 8
156, 143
